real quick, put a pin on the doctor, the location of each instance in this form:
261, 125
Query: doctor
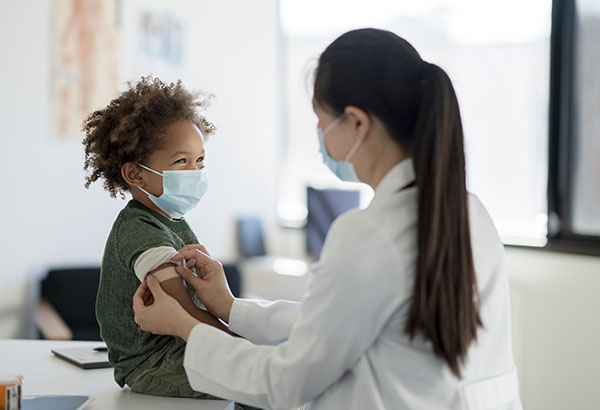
408, 307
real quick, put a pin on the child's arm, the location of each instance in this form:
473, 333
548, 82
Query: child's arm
174, 286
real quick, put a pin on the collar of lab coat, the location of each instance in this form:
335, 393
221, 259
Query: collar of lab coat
401, 175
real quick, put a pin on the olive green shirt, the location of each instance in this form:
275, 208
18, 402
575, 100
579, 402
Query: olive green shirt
136, 230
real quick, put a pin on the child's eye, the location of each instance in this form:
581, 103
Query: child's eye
180, 161
200, 159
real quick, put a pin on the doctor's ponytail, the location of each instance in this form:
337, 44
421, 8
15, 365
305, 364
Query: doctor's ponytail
445, 304
384, 75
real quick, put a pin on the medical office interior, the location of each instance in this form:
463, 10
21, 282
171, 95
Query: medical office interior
270, 198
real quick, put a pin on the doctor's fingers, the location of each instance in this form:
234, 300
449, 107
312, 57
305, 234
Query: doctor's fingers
138, 298
191, 254
147, 295
148, 298
187, 275
145, 292
155, 288
199, 247
204, 264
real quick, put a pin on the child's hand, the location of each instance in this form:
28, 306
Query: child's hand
210, 284
165, 315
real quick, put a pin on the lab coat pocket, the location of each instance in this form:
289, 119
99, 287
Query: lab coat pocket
494, 393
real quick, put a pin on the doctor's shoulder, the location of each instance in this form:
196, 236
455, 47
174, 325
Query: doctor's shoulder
483, 229
352, 235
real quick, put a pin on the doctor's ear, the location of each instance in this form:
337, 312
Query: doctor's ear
132, 174
361, 121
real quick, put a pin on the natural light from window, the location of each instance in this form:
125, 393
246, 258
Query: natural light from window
497, 55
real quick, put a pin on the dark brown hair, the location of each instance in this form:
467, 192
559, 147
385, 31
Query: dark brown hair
131, 127
384, 75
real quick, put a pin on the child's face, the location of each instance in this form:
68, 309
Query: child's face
183, 149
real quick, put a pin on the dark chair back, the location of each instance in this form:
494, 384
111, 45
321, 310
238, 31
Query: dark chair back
72, 293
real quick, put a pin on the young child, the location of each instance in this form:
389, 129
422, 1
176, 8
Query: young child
149, 142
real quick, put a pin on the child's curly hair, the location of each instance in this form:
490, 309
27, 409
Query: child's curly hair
129, 129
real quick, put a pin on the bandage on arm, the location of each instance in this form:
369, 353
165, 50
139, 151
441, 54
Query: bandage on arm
174, 286
165, 273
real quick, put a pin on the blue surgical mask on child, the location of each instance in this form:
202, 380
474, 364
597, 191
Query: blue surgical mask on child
182, 190
343, 169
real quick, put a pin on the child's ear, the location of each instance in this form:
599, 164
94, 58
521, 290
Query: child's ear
132, 175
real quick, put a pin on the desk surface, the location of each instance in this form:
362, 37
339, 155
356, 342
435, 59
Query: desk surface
45, 373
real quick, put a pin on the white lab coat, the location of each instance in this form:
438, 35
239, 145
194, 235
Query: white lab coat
343, 346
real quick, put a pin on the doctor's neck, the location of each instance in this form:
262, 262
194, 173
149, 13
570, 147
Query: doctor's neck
378, 154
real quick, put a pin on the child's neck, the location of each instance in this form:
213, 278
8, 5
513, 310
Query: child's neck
143, 198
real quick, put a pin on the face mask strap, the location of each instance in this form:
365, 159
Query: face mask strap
144, 191
334, 123
149, 169
354, 148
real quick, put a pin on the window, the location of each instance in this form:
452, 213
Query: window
574, 194
497, 54
586, 196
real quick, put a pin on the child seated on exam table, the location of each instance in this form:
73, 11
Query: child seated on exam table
149, 141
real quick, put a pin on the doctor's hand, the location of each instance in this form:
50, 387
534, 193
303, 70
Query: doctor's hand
164, 315
210, 284
195, 246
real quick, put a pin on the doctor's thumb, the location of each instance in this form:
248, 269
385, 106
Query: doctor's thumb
154, 286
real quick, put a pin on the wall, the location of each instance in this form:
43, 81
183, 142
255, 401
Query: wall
50, 219
556, 336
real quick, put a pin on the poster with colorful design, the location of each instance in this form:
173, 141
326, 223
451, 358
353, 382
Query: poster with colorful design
85, 66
